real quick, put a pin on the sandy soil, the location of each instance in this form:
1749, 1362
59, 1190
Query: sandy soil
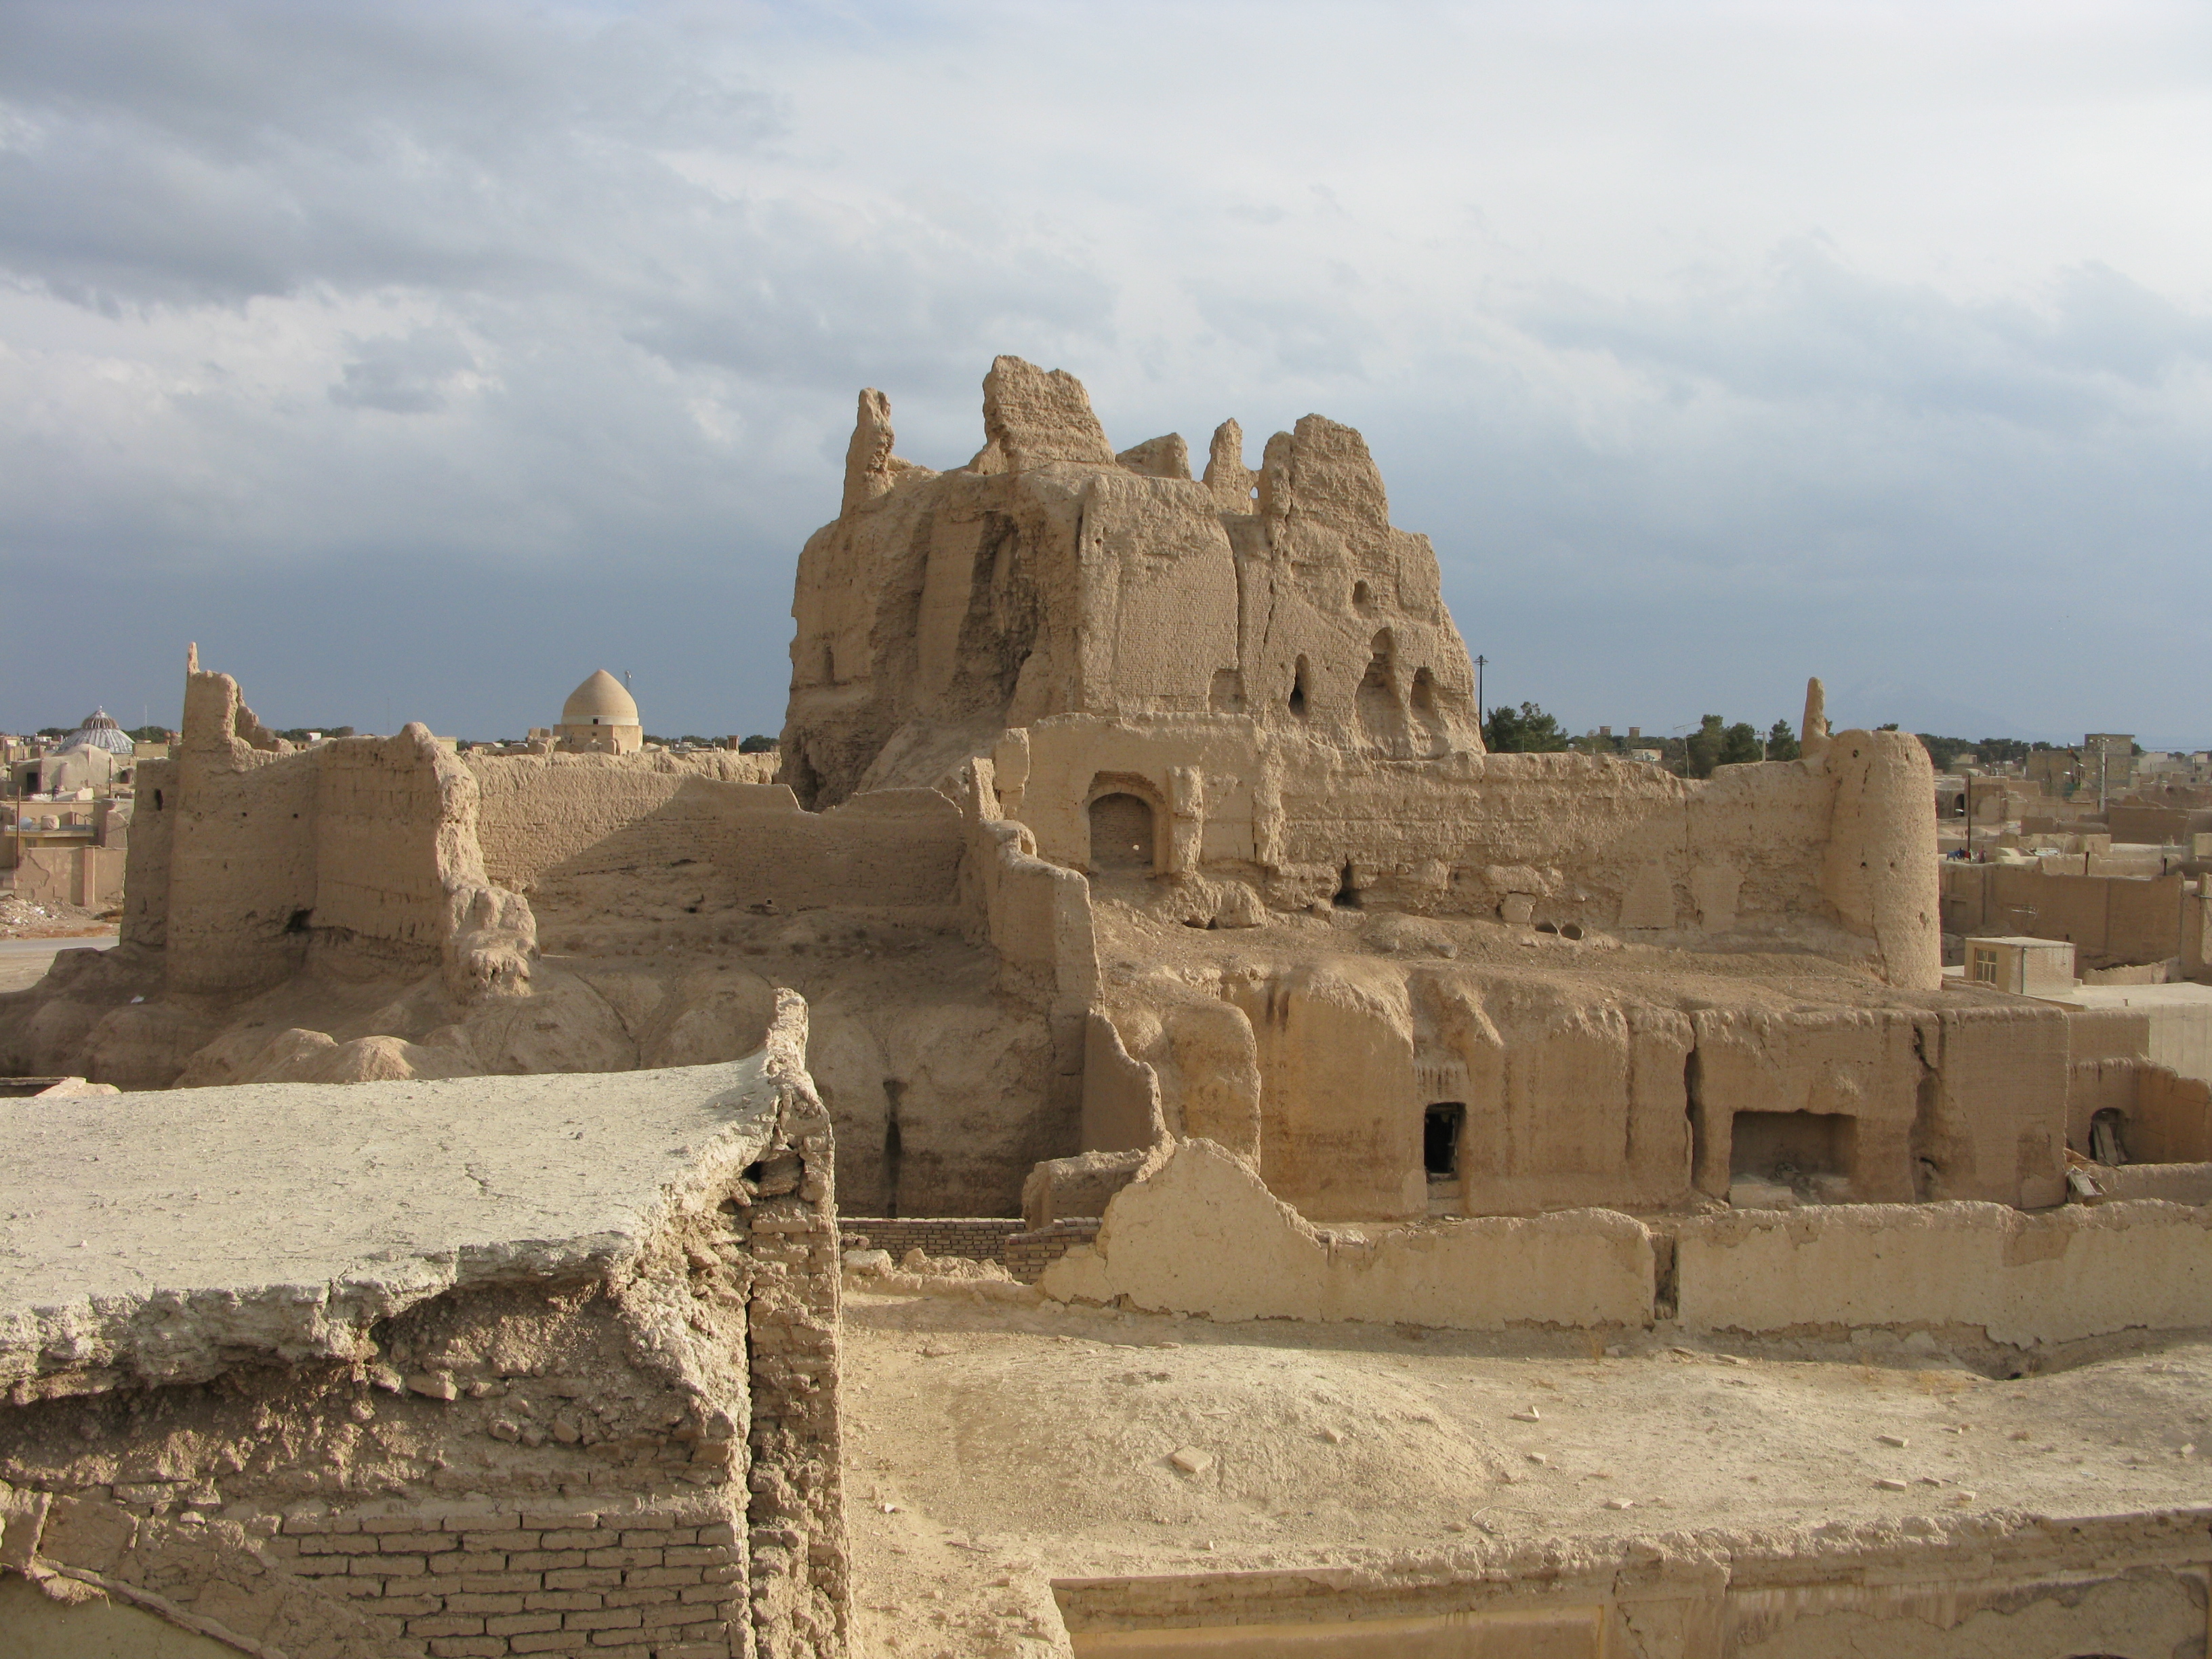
990, 1448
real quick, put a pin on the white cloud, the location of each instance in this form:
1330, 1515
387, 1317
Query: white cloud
1714, 343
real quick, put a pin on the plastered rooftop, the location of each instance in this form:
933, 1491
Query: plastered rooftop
153, 1233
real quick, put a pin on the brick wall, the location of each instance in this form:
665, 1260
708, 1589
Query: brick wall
973, 1238
637, 1585
1028, 1255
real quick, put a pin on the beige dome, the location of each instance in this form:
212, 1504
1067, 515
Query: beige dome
599, 700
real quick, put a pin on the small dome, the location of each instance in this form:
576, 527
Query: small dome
599, 699
100, 731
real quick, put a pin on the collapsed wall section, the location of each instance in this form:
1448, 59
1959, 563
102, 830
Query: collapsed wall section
585, 815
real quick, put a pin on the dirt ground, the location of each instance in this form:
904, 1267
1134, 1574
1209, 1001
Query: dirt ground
24, 959
991, 1448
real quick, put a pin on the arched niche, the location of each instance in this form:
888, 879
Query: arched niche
1125, 822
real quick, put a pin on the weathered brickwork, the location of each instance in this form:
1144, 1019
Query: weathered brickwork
1028, 1255
985, 1238
972, 1238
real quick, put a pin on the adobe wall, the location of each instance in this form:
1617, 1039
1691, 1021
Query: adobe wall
394, 827
1198, 1232
610, 815
1935, 1588
1834, 852
90, 878
241, 862
146, 861
1580, 1088
2164, 1118
2056, 1277
2110, 918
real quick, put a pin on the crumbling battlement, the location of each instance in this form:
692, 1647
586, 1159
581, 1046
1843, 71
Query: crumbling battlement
524, 1363
249, 858
1253, 679
1048, 577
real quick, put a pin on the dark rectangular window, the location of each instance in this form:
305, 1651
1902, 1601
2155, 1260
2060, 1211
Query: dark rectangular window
1440, 1132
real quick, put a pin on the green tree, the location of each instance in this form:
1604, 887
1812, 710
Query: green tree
1943, 752
1782, 742
1703, 747
1739, 746
759, 745
1995, 750
1528, 731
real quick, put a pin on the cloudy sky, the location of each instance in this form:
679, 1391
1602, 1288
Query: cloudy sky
417, 359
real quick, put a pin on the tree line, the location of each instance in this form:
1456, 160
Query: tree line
1717, 742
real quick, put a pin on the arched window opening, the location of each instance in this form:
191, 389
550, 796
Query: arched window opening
1362, 597
1380, 714
1347, 892
1424, 694
1121, 833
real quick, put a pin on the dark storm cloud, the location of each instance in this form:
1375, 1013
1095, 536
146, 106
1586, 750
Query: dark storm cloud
466, 346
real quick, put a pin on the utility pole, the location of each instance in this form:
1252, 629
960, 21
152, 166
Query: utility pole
1480, 713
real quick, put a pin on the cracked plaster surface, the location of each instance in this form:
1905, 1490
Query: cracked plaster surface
164, 1235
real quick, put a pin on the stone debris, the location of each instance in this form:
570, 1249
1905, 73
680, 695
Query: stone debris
1190, 1460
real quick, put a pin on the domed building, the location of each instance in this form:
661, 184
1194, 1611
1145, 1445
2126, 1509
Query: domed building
599, 718
100, 731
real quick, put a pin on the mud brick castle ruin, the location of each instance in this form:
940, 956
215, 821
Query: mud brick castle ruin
458, 1270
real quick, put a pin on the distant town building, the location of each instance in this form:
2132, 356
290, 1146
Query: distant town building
601, 718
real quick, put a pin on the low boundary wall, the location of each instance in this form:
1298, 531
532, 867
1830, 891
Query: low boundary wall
1199, 1233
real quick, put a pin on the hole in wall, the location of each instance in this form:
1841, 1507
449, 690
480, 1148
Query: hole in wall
1792, 1148
1442, 1125
2106, 1145
1347, 897
298, 922
1548, 927
1362, 597
1571, 930
1298, 689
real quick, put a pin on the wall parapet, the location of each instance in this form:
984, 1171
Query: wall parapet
1197, 1232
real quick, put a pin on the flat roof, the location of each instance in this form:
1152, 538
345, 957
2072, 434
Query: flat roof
155, 1236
